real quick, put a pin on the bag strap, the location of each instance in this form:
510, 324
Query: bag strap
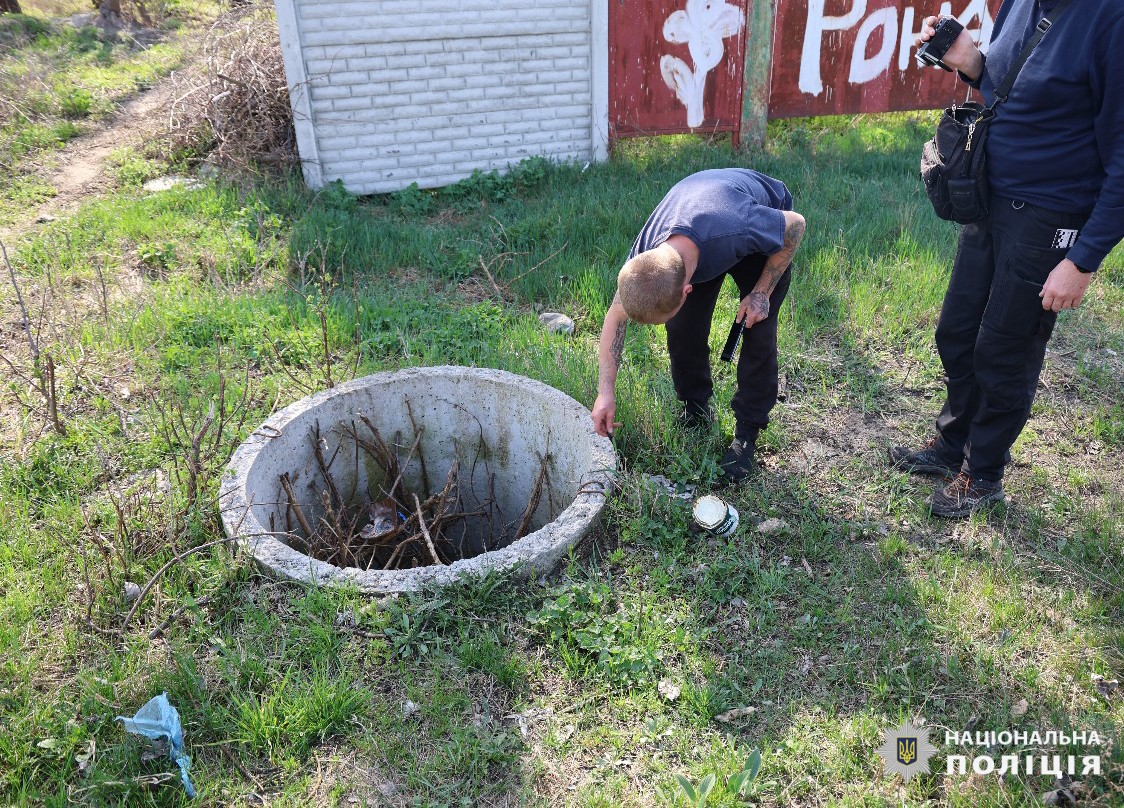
1044, 25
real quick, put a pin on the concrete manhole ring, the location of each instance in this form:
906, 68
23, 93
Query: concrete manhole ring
515, 422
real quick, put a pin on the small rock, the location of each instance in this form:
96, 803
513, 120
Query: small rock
409, 708
44, 219
167, 183
132, 591
668, 689
1061, 796
85, 759
1106, 687
209, 171
666, 486
1020, 708
564, 733
774, 525
556, 323
737, 712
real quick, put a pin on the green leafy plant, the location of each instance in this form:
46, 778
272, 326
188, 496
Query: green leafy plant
697, 794
159, 258
335, 195
411, 632
733, 787
739, 781
76, 102
413, 201
594, 635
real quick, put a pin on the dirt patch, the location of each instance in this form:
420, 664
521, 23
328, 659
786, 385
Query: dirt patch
81, 169
80, 166
344, 777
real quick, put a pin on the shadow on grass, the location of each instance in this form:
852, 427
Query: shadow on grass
833, 630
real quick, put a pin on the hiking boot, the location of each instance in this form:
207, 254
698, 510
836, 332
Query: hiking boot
929, 459
964, 495
696, 415
737, 463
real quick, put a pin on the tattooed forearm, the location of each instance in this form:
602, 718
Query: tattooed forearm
616, 348
610, 348
793, 233
780, 261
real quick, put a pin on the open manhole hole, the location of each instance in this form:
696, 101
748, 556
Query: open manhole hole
418, 477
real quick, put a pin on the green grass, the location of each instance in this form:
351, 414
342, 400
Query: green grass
863, 612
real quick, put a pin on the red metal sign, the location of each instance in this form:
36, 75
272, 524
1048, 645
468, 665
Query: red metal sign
846, 56
675, 66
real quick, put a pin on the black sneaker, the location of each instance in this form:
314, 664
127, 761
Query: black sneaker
964, 495
929, 459
696, 415
737, 463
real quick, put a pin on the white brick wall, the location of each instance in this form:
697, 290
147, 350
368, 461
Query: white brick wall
391, 93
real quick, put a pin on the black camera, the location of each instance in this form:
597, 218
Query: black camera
931, 52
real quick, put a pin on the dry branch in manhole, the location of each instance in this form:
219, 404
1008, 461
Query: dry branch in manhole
391, 525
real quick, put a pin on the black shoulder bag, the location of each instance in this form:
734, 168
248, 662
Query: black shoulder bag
954, 162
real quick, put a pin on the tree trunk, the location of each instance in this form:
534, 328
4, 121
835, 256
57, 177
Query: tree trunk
109, 14
10, 7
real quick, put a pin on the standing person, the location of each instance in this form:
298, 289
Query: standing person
728, 221
1055, 162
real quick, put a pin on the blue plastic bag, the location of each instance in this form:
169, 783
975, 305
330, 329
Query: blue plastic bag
158, 719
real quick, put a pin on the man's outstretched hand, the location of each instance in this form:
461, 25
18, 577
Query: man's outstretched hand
754, 309
604, 410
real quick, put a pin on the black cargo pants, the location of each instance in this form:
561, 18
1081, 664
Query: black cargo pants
688, 345
992, 331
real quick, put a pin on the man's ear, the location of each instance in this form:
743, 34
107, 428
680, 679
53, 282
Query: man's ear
687, 290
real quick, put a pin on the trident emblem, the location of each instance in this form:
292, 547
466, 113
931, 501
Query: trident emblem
907, 750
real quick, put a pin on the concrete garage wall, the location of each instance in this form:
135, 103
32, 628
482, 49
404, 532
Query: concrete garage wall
391, 93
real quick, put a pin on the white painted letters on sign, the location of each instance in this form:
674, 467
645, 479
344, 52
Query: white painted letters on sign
883, 31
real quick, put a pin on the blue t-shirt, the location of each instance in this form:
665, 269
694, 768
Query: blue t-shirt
1058, 139
728, 213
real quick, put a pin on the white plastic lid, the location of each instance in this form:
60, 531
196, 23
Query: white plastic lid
710, 511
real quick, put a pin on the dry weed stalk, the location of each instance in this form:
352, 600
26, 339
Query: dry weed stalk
311, 376
145, 524
503, 291
200, 441
236, 100
418, 531
41, 376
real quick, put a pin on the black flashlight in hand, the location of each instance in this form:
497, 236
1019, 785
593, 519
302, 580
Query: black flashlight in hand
732, 341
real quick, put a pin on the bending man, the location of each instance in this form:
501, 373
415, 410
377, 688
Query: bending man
729, 221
